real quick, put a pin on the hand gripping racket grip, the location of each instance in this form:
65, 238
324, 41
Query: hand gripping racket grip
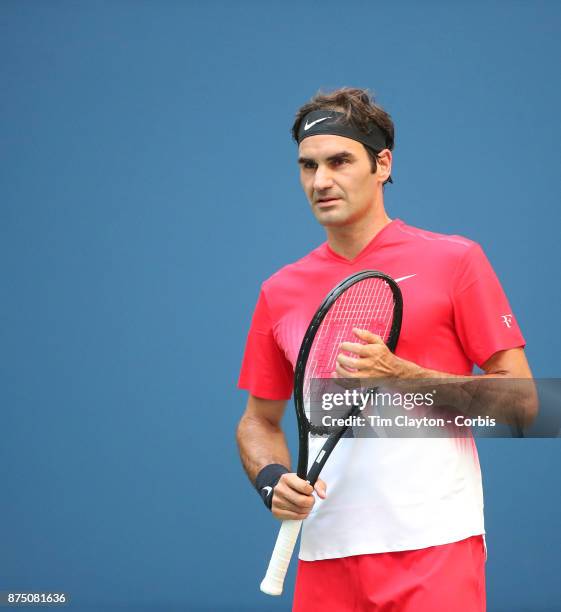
278, 565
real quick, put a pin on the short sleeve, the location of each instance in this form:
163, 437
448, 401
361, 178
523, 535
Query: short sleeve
265, 371
483, 317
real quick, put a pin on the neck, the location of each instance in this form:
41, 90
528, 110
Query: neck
350, 240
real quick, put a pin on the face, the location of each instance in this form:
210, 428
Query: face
336, 175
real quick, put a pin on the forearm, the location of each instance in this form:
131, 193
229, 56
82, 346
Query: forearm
261, 443
505, 394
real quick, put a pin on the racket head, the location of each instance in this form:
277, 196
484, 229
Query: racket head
368, 300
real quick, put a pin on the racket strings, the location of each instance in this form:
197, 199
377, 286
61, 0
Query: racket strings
368, 305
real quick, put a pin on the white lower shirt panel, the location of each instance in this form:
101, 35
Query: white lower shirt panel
389, 495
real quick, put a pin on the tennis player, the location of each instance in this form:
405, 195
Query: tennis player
393, 524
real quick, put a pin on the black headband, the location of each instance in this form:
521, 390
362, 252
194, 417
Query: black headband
332, 122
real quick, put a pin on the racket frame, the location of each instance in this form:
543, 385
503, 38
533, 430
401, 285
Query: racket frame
273, 581
306, 346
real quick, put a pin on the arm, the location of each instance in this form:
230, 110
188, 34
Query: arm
511, 404
261, 442
260, 438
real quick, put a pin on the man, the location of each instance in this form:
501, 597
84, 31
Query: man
396, 525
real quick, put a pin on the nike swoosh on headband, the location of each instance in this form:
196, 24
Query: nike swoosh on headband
309, 125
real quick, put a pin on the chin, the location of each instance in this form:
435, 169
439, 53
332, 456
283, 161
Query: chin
331, 220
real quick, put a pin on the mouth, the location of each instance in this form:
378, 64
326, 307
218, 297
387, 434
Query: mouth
326, 202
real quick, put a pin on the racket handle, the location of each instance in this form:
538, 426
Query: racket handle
278, 565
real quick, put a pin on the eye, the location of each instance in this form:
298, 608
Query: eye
309, 165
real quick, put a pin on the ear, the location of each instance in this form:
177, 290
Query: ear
384, 165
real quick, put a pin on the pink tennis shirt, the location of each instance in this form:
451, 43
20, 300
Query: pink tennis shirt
388, 494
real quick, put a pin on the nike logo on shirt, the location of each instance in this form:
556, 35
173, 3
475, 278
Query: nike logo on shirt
397, 280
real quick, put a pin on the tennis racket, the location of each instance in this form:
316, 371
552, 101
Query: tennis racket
367, 300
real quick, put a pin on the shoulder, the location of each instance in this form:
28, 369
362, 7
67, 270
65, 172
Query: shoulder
452, 242
435, 245
295, 272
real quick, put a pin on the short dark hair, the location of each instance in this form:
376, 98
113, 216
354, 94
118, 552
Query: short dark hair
359, 108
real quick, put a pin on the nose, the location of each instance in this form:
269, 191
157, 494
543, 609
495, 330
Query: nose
323, 179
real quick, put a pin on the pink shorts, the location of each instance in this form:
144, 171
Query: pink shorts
445, 578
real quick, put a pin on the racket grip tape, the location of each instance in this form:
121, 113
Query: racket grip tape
273, 582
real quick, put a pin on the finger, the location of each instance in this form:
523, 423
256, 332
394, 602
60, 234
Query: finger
287, 506
294, 482
321, 488
290, 499
348, 362
367, 336
354, 347
285, 515
341, 380
344, 373
291, 502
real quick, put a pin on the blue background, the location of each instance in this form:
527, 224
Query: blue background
149, 185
